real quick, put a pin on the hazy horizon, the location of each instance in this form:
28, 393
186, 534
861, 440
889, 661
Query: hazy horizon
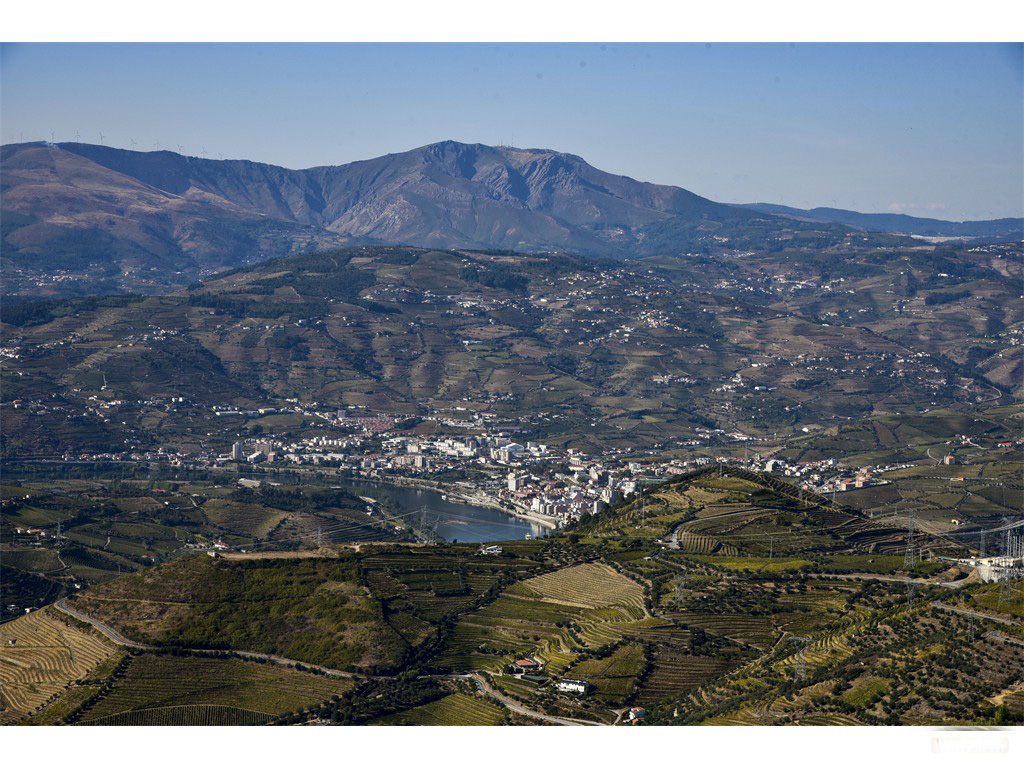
923, 129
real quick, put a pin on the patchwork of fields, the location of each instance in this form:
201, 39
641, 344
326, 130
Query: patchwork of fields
551, 617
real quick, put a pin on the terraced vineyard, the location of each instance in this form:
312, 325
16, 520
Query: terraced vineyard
252, 519
551, 617
674, 671
759, 631
40, 656
703, 544
613, 677
174, 686
187, 715
419, 587
456, 709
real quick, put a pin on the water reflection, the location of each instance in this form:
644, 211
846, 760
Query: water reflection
453, 520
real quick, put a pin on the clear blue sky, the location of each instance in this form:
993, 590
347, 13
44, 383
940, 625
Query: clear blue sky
925, 129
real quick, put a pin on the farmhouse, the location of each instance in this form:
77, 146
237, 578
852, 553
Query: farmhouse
573, 686
526, 665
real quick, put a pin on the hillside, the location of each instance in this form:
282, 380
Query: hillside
312, 610
569, 349
720, 597
82, 218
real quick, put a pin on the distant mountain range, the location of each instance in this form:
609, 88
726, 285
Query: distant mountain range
87, 218
899, 223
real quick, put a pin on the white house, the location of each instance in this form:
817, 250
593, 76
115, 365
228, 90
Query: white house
573, 686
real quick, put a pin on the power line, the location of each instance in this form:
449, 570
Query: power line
910, 557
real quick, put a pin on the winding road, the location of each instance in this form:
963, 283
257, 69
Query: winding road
481, 682
515, 706
975, 614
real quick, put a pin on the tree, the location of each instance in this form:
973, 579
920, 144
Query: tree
1002, 713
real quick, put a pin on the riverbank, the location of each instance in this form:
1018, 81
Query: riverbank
448, 514
477, 499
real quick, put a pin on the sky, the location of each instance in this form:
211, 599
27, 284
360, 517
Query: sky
931, 130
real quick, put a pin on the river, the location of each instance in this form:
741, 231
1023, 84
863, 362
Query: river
455, 520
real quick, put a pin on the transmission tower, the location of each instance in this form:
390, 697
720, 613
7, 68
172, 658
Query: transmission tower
910, 557
911, 592
319, 537
60, 533
800, 662
1009, 577
680, 590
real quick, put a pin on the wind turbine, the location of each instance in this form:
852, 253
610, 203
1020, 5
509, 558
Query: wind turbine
101, 137
202, 152
78, 136
132, 143
156, 144
52, 140
179, 148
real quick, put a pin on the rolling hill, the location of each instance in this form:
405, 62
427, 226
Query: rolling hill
574, 350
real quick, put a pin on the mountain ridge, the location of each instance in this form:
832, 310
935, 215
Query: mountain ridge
84, 218
900, 223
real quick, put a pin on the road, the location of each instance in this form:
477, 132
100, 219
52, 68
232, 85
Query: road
109, 632
900, 579
112, 634
515, 706
975, 614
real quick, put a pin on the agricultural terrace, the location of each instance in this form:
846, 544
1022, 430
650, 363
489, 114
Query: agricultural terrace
418, 587
551, 617
613, 677
41, 654
456, 709
890, 663
732, 512
169, 688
